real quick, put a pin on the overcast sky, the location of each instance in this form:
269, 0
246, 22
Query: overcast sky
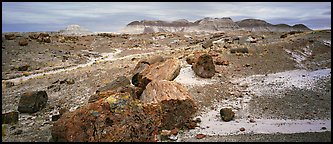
112, 16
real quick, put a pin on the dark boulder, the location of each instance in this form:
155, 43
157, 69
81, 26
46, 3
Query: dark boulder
204, 66
32, 101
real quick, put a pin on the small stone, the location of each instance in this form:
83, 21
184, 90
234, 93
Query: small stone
323, 128
10, 118
165, 133
227, 114
252, 121
242, 129
200, 136
174, 131
198, 120
55, 117
18, 132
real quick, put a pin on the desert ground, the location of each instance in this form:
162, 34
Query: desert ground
279, 91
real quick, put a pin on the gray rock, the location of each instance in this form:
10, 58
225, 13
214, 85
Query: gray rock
227, 114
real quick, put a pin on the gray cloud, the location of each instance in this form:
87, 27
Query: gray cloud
111, 16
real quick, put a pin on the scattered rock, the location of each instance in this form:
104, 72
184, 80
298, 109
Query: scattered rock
239, 50
23, 42
176, 103
18, 132
165, 133
204, 66
242, 129
23, 68
207, 44
9, 84
116, 118
174, 131
10, 36
227, 114
10, 118
221, 61
200, 136
252, 120
284, 35
55, 117
32, 101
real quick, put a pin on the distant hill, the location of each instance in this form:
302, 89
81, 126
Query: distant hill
75, 30
208, 24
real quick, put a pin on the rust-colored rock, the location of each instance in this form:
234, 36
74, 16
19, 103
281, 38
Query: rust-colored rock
166, 70
142, 65
175, 101
204, 67
117, 118
23, 42
200, 136
221, 61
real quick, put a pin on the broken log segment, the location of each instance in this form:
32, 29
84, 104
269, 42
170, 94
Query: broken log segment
116, 118
166, 70
118, 82
175, 101
143, 64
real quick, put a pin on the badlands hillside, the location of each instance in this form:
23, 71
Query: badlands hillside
208, 80
209, 25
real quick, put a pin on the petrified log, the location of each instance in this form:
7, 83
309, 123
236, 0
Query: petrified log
116, 118
32, 101
204, 66
118, 82
239, 50
175, 101
143, 64
166, 70
135, 93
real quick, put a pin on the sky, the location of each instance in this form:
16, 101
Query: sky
112, 16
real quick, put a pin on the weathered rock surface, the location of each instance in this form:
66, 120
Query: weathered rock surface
118, 82
175, 101
227, 114
135, 92
10, 118
239, 50
23, 42
166, 70
221, 61
117, 118
204, 66
32, 101
142, 65
10, 36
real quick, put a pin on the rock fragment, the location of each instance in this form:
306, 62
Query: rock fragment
204, 66
227, 114
32, 101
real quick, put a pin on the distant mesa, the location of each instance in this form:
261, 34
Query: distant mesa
208, 24
75, 30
